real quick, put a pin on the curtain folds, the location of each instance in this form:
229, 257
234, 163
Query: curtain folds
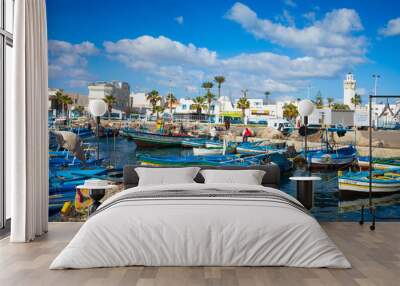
26, 124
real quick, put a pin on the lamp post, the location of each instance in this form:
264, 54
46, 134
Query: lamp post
306, 107
97, 108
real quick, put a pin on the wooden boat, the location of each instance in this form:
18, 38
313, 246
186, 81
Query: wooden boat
194, 142
331, 157
144, 139
378, 163
209, 160
382, 181
198, 151
260, 147
279, 157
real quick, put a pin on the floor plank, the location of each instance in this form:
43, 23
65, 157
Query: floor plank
375, 257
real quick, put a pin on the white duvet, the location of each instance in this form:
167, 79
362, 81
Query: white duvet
200, 231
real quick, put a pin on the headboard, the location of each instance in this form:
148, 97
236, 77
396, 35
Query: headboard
271, 178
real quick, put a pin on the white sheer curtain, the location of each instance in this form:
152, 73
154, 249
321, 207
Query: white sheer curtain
26, 124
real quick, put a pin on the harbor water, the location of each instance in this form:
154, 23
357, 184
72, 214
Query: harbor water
328, 203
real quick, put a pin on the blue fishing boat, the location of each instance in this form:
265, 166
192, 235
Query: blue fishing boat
83, 133
279, 157
329, 155
259, 147
332, 157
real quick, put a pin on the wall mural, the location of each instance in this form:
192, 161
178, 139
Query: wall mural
175, 103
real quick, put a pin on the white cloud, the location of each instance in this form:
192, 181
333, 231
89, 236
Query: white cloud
179, 20
161, 50
331, 36
290, 3
167, 62
392, 28
281, 66
68, 60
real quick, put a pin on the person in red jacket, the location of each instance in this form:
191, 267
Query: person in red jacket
246, 134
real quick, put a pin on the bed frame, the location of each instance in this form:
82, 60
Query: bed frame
271, 178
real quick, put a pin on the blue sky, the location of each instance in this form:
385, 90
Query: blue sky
281, 46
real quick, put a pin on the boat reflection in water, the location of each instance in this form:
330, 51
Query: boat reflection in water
352, 201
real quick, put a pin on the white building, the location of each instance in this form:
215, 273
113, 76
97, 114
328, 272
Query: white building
349, 90
138, 100
120, 90
329, 117
183, 106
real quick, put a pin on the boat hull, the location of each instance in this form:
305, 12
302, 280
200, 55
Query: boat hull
363, 186
206, 151
379, 163
150, 140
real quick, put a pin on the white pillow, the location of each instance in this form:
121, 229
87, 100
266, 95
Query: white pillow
166, 176
247, 177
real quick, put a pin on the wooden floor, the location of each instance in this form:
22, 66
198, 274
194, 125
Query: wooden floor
375, 257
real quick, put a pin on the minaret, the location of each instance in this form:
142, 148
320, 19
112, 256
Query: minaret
349, 89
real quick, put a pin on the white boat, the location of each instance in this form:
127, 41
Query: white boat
206, 151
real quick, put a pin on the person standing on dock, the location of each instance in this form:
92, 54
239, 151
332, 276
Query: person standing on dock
227, 122
246, 134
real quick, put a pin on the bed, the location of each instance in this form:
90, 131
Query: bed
201, 224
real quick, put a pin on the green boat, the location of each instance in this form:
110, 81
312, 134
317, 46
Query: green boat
144, 139
207, 160
379, 163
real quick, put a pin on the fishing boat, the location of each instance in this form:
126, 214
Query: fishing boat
208, 160
194, 142
382, 181
199, 151
215, 148
329, 154
259, 147
379, 163
332, 157
83, 133
144, 139
279, 157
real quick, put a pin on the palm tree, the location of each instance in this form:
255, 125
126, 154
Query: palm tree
171, 100
340, 106
66, 101
153, 97
356, 100
109, 100
207, 85
159, 109
219, 79
57, 98
210, 97
267, 94
330, 101
290, 111
243, 104
319, 100
80, 109
199, 103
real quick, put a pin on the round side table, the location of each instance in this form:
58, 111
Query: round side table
305, 190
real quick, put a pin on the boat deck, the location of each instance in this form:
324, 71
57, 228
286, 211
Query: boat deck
375, 257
